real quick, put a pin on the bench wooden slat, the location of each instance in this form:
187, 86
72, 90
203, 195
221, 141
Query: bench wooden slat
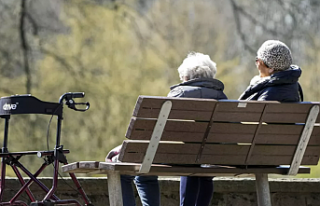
283, 150
274, 112
141, 129
81, 167
180, 153
285, 134
285, 111
197, 137
223, 159
169, 170
149, 107
281, 160
213, 149
198, 109
201, 109
156, 102
230, 116
183, 148
189, 131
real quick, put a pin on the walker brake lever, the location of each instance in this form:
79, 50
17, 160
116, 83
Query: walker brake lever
72, 105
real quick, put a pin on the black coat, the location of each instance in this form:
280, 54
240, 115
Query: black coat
282, 86
199, 88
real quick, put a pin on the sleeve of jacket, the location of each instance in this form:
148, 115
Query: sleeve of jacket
176, 92
269, 95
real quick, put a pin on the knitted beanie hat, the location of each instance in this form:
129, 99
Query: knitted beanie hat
275, 54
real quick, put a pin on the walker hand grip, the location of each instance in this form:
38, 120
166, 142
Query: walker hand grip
87, 104
77, 94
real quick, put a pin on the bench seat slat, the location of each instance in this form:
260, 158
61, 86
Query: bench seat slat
169, 170
196, 171
223, 159
82, 167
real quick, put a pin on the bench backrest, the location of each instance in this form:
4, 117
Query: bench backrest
226, 132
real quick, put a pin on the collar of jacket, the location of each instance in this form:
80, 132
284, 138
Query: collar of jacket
202, 82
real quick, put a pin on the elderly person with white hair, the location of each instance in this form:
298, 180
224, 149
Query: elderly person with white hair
197, 73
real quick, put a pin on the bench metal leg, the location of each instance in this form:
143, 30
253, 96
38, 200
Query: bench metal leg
114, 187
263, 191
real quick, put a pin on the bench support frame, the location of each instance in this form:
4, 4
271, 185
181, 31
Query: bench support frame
263, 191
114, 187
304, 140
156, 136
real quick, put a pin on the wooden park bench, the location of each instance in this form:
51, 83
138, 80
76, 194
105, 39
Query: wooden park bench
226, 137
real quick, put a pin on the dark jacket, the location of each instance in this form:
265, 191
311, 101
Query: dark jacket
199, 88
282, 86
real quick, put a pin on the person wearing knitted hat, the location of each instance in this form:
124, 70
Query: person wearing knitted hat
278, 77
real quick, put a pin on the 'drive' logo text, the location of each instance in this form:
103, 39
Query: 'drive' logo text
10, 106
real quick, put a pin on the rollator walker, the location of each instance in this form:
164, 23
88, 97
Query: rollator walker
27, 104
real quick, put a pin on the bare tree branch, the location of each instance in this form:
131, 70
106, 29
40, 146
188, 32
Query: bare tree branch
24, 45
292, 15
253, 19
33, 23
238, 25
61, 60
151, 25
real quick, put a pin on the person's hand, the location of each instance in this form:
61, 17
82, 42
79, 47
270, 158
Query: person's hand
112, 156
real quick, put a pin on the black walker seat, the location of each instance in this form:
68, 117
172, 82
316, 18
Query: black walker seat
27, 104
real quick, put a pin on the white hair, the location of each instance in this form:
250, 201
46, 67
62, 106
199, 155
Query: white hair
197, 65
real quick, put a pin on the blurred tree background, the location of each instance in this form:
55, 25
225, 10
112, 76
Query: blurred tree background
115, 50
